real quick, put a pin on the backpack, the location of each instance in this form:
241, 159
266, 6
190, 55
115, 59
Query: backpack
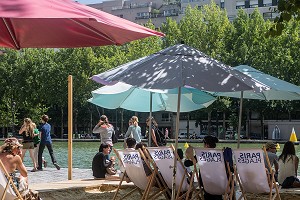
114, 138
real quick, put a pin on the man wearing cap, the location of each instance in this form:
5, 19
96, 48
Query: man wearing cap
273, 158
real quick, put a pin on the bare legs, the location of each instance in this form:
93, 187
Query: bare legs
31, 154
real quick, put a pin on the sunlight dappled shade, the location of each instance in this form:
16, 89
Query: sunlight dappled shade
279, 89
177, 66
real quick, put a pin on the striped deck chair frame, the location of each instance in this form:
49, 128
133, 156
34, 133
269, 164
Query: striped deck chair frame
132, 162
9, 185
252, 175
215, 173
184, 190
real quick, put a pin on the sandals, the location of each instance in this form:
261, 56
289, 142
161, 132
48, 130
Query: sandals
34, 170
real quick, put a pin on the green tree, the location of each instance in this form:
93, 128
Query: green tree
172, 31
287, 10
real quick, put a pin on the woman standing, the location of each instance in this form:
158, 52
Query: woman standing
134, 129
27, 132
105, 130
288, 166
153, 131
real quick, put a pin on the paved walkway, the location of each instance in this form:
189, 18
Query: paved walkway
49, 175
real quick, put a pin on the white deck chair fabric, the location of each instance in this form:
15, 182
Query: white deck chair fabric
164, 159
133, 164
212, 169
251, 170
10, 194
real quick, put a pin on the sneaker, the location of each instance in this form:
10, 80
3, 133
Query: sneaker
57, 166
39, 169
45, 163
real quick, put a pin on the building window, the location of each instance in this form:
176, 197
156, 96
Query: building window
143, 14
222, 4
267, 2
253, 3
240, 4
270, 15
166, 117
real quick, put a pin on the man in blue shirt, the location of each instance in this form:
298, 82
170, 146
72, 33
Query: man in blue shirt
45, 134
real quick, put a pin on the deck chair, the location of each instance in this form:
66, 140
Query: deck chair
163, 161
8, 190
252, 175
133, 165
215, 173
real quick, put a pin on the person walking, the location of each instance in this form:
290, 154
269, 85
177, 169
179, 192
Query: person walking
167, 133
46, 141
134, 130
36, 141
27, 132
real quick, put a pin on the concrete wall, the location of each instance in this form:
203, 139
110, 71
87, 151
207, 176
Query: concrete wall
285, 128
269, 125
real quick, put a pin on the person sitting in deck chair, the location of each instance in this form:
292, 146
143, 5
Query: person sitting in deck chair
130, 142
288, 166
251, 173
147, 170
10, 156
210, 142
273, 158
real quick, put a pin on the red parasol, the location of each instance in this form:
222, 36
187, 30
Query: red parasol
63, 24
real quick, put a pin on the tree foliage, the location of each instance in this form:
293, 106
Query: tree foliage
288, 10
36, 79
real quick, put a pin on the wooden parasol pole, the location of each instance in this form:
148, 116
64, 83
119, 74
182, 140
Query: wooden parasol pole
70, 125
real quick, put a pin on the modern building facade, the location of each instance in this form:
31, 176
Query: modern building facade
140, 11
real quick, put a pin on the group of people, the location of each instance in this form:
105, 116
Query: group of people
285, 165
34, 140
102, 161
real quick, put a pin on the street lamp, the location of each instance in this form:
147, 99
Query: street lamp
13, 107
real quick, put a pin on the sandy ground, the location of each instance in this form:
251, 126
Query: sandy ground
108, 192
103, 192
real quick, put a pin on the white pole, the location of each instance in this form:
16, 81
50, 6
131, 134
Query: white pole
176, 145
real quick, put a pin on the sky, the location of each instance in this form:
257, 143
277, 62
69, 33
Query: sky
89, 1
